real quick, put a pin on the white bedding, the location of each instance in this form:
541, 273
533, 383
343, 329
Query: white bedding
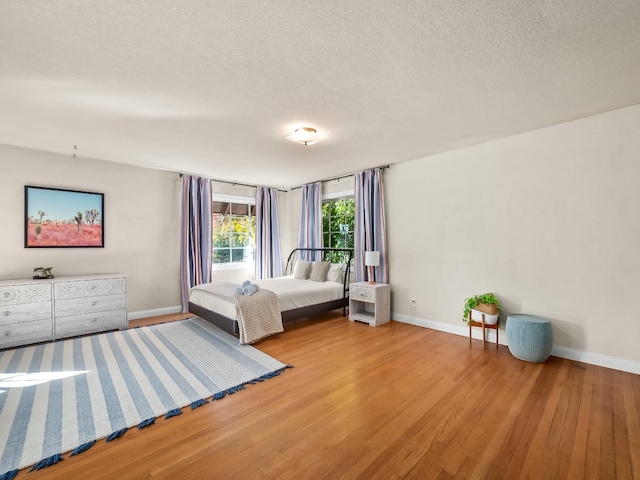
292, 293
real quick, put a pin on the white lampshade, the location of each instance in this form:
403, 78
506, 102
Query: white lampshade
372, 259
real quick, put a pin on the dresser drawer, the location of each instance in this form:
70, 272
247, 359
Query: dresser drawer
25, 312
80, 324
90, 288
77, 306
25, 332
363, 294
17, 294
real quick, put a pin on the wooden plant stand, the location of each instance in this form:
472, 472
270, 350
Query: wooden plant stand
485, 327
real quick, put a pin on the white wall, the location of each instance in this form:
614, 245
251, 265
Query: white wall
142, 219
548, 220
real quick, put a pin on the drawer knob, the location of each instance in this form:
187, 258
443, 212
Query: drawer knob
6, 334
6, 295
93, 304
93, 287
6, 313
94, 320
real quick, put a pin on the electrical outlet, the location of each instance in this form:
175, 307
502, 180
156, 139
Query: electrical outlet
413, 303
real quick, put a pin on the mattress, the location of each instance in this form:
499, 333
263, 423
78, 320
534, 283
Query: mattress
292, 293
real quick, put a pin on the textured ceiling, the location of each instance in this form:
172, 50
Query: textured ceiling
212, 88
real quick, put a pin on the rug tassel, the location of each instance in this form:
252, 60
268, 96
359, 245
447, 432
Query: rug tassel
117, 434
267, 376
9, 475
198, 403
173, 413
147, 422
47, 462
235, 389
242, 386
83, 448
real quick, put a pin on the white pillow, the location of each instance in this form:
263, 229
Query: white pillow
336, 273
319, 271
302, 270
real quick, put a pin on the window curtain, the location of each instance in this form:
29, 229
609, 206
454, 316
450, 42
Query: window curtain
195, 235
310, 234
268, 255
370, 229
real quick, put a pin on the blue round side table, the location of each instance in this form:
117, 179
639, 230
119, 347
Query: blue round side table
529, 337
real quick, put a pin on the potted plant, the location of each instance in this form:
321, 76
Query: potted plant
486, 303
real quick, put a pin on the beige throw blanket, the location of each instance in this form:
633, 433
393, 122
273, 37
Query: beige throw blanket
258, 315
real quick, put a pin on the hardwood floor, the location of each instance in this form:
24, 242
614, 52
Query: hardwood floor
389, 402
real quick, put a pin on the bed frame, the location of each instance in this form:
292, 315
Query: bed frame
335, 255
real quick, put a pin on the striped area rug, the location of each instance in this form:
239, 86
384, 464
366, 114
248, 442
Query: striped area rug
60, 397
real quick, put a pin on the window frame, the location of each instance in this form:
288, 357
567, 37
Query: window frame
240, 200
331, 197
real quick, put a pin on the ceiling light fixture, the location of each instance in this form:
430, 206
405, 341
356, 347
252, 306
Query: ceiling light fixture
305, 135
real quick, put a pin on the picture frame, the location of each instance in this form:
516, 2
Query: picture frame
61, 218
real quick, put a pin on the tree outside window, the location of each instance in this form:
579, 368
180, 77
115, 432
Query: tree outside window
233, 233
338, 218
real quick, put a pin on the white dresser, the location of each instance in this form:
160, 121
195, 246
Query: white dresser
37, 310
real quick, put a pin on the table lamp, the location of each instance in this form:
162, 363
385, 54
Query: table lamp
371, 259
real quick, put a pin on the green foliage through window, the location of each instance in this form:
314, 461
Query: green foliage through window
233, 237
338, 219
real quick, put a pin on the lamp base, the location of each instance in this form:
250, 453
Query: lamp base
371, 280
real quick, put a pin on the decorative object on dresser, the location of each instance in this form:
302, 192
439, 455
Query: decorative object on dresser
38, 310
371, 259
370, 303
55, 217
43, 272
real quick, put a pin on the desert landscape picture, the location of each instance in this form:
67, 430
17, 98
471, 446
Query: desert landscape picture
63, 218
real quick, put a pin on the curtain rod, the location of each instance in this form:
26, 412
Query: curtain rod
383, 167
237, 183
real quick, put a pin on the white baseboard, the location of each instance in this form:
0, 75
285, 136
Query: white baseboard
153, 313
607, 361
455, 329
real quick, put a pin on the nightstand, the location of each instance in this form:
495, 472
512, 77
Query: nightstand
370, 303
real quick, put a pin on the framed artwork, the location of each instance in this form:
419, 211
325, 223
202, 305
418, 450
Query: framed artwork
58, 218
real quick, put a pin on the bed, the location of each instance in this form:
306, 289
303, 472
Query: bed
297, 298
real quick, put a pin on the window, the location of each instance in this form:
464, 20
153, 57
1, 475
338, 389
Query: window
234, 229
338, 218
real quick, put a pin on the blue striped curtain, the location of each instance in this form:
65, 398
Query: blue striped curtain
370, 229
195, 235
310, 234
268, 254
